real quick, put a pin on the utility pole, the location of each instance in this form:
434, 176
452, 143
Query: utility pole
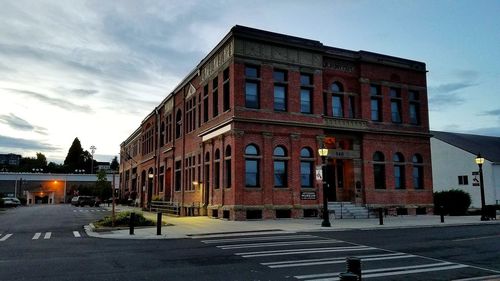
92, 150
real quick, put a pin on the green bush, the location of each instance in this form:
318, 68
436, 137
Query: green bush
455, 202
123, 219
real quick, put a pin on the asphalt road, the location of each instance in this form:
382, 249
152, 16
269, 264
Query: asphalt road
444, 253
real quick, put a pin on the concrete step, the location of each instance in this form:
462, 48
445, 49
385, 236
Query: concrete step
347, 210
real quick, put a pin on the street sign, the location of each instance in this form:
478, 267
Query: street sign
475, 173
319, 173
475, 182
308, 195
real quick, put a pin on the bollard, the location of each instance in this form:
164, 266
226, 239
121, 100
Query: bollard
348, 276
380, 216
354, 266
158, 223
131, 223
441, 212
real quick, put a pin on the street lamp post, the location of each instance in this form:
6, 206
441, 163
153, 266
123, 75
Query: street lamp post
92, 149
323, 152
480, 162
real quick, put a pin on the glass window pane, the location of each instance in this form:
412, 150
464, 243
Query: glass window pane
337, 106
306, 174
251, 172
305, 79
251, 95
251, 71
305, 152
395, 112
375, 110
251, 150
279, 173
279, 98
279, 76
305, 101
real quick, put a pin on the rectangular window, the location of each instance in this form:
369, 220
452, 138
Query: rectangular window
463, 180
375, 110
215, 97
279, 76
252, 95
280, 173
227, 178
417, 177
350, 106
337, 103
375, 90
379, 176
205, 103
251, 71
225, 90
305, 101
396, 111
217, 175
251, 172
306, 174
414, 114
279, 98
178, 181
305, 80
399, 181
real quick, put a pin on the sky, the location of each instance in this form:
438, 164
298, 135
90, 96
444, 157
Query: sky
94, 69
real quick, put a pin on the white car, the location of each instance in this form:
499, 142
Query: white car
11, 202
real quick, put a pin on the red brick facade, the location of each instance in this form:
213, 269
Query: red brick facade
238, 138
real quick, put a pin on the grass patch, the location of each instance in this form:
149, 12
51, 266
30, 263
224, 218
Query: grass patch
123, 219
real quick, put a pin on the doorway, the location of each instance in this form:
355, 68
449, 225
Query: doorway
334, 178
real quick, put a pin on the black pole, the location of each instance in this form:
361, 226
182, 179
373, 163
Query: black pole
326, 215
131, 223
158, 223
481, 185
354, 266
380, 216
441, 212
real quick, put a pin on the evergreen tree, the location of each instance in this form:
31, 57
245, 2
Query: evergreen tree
114, 164
75, 157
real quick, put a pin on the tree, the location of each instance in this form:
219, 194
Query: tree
41, 160
75, 158
114, 164
103, 186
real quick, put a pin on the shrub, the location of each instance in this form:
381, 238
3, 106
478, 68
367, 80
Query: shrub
123, 219
455, 202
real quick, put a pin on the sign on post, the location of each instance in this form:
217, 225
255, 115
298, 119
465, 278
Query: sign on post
319, 173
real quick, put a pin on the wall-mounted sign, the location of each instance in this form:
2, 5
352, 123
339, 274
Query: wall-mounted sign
319, 173
308, 195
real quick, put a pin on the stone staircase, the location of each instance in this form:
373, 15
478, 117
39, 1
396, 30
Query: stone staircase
347, 210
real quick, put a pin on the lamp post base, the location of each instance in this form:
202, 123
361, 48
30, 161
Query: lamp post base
325, 224
484, 218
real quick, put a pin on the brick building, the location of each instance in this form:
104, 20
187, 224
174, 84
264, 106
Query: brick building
238, 137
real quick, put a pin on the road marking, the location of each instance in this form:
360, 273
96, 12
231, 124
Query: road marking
229, 240
379, 272
5, 237
278, 244
36, 236
76, 234
255, 233
47, 235
296, 263
480, 278
477, 238
304, 251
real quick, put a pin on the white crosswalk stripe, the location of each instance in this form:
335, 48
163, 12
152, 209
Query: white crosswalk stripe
47, 235
5, 237
36, 236
76, 234
324, 251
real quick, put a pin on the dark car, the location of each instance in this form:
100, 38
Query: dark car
85, 200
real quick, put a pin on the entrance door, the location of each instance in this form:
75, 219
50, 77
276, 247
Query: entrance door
334, 178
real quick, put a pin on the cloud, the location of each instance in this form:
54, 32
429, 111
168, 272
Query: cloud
487, 131
495, 112
10, 142
452, 87
438, 102
84, 92
64, 104
18, 123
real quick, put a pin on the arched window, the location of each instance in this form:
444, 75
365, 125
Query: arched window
178, 124
280, 167
337, 87
379, 170
252, 171
306, 168
418, 172
227, 167
399, 171
217, 169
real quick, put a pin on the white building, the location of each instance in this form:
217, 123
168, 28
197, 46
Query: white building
454, 166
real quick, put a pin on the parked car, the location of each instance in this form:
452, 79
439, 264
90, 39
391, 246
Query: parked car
11, 202
85, 200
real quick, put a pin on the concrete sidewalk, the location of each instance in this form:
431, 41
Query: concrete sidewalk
185, 227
